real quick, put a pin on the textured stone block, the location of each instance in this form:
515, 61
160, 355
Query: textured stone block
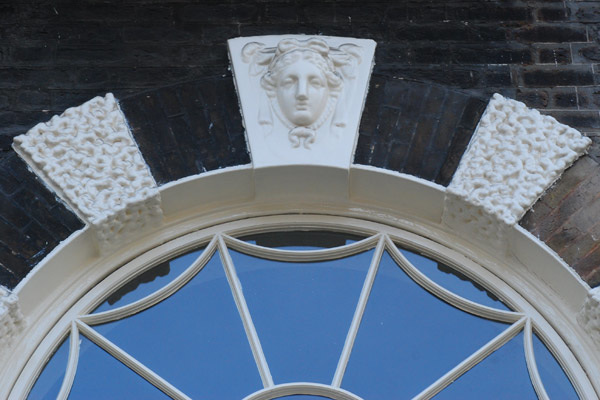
514, 155
87, 155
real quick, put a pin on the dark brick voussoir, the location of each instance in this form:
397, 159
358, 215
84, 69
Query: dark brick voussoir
33, 220
417, 128
188, 128
567, 218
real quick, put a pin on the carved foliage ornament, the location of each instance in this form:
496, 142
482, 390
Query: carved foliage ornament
305, 82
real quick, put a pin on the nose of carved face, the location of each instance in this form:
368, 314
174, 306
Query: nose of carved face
302, 93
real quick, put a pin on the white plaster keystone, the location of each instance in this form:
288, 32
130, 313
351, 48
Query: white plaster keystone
11, 321
88, 156
515, 154
301, 96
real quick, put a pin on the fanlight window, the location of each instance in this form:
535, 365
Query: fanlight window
303, 314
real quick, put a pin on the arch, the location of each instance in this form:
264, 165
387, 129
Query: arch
160, 207
205, 201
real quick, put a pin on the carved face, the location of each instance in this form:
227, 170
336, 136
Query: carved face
302, 92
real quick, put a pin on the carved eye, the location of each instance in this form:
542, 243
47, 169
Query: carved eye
288, 82
316, 82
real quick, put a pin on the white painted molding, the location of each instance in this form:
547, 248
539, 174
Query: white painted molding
204, 202
515, 154
88, 156
589, 316
11, 321
301, 96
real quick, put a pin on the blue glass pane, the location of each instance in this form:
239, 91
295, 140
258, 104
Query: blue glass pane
50, 380
409, 338
149, 281
194, 339
302, 240
303, 397
553, 377
502, 375
454, 281
100, 376
302, 311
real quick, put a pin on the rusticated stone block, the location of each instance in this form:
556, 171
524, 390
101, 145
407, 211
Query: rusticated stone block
88, 157
514, 155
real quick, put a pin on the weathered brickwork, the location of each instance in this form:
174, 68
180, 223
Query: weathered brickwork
189, 128
415, 128
55, 55
567, 218
32, 221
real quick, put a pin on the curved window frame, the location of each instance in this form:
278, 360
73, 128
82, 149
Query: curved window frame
222, 233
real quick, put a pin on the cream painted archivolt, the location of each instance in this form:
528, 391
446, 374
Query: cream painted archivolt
526, 318
416, 206
324, 181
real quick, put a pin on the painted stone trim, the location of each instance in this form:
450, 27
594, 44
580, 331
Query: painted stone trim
11, 321
301, 96
589, 315
88, 156
515, 154
303, 80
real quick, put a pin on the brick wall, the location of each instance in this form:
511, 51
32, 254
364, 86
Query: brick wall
57, 54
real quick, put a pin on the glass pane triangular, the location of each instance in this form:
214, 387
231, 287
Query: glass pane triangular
501, 375
408, 338
101, 376
302, 311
